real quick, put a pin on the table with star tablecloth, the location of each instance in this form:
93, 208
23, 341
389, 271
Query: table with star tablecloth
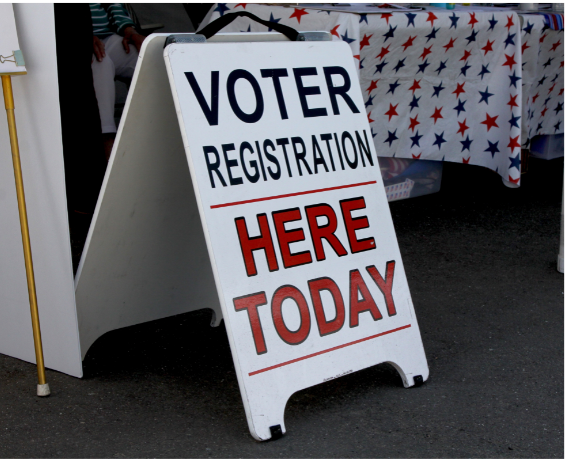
443, 85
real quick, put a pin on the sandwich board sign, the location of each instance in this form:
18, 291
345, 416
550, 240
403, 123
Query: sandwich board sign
297, 248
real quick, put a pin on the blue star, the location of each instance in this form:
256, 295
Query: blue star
472, 37
540, 82
555, 78
248, 29
414, 103
454, 20
399, 65
438, 89
528, 28
392, 87
346, 39
391, 137
272, 19
370, 101
514, 121
548, 62
361, 66
464, 69
380, 67
486, 70
390, 34
514, 79
439, 140
363, 18
485, 95
422, 67
221, 8
410, 17
460, 106
432, 34
557, 126
493, 22
539, 127
547, 100
441, 67
515, 162
492, 148
416, 139
466, 144
509, 40
558, 108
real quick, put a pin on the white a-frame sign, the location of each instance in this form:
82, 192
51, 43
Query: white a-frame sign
281, 206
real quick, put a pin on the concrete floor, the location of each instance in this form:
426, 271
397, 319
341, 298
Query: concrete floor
481, 264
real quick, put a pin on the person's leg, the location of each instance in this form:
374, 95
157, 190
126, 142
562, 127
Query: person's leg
124, 62
103, 74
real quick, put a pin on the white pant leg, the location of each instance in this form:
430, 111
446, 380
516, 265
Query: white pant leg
124, 63
103, 74
116, 63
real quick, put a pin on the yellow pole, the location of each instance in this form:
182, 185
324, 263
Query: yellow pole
42, 387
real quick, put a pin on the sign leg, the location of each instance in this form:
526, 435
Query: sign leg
42, 386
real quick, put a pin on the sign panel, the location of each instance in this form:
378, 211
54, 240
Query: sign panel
295, 216
11, 57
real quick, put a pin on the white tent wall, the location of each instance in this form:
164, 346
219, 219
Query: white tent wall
36, 98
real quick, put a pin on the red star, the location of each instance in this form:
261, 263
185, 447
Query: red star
298, 13
490, 122
543, 111
334, 31
514, 181
372, 86
416, 156
465, 56
365, 41
514, 143
426, 52
369, 118
466, 161
512, 102
386, 16
243, 5
391, 111
437, 114
525, 47
542, 38
357, 56
462, 127
488, 46
415, 86
510, 62
383, 53
459, 89
551, 89
473, 20
561, 92
561, 64
534, 98
450, 44
409, 42
555, 46
431, 18
413, 123
510, 23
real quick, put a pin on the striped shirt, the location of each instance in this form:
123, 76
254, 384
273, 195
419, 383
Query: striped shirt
113, 18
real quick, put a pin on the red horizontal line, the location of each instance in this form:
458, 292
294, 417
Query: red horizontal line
280, 196
329, 350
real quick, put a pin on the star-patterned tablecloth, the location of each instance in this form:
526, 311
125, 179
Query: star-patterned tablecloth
449, 85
